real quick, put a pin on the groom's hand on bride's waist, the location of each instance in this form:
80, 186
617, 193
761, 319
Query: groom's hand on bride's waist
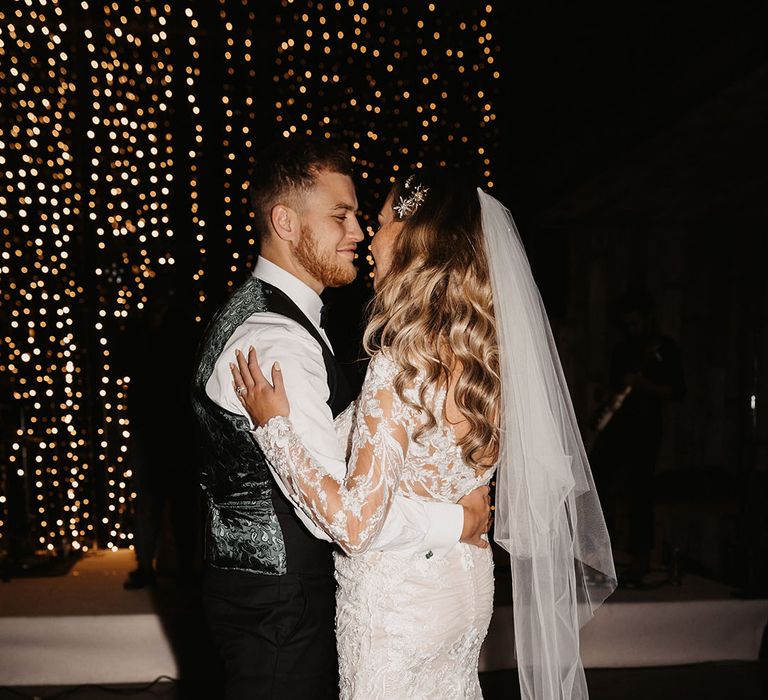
477, 516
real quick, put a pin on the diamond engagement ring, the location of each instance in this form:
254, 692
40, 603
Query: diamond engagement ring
240, 390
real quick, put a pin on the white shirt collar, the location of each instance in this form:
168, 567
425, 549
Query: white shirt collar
300, 294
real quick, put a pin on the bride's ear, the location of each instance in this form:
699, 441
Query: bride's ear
285, 222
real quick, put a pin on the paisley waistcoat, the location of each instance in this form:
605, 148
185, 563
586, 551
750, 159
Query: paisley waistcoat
250, 525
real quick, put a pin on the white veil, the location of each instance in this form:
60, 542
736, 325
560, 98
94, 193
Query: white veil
548, 516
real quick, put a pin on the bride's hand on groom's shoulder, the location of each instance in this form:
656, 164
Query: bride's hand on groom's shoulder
478, 516
261, 399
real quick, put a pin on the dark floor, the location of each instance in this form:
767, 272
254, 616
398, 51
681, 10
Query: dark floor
720, 681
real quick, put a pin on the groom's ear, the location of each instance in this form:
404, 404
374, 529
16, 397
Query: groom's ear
285, 222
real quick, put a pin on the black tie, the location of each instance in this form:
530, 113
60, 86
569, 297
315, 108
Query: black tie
323, 315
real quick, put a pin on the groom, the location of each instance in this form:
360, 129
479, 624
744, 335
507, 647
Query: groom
268, 587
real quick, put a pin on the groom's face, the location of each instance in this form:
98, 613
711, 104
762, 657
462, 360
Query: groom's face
329, 230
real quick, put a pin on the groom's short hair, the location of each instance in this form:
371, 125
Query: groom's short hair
290, 167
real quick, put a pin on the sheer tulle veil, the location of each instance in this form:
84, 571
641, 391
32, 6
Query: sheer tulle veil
548, 515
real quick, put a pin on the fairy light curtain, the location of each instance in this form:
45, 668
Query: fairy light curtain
126, 135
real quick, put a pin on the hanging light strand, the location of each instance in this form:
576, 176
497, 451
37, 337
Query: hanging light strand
42, 352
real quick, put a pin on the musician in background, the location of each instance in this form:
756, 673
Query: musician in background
646, 372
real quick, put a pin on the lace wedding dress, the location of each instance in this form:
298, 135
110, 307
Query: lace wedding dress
407, 626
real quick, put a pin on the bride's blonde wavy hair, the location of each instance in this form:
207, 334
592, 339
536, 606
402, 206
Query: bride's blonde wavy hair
434, 311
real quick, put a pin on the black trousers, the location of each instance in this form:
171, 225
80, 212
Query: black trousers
275, 634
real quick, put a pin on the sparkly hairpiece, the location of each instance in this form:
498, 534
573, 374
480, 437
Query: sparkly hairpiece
408, 205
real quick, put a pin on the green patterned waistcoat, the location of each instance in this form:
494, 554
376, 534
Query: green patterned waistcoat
250, 525
242, 530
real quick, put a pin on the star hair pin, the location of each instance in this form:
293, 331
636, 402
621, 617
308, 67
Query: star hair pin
408, 205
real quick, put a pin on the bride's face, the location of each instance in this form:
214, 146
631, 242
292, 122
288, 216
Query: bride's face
383, 242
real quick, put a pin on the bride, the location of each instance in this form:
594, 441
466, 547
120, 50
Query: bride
464, 383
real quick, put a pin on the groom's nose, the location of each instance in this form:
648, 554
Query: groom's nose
357, 232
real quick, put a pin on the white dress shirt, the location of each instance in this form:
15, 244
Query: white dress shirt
411, 526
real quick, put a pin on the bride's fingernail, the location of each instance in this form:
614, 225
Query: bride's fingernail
277, 366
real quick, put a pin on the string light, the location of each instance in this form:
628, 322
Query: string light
238, 103
107, 159
192, 76
131, 180
40, 206
89, 168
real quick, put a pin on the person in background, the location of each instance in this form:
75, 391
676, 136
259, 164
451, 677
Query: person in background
161, 452
646, 372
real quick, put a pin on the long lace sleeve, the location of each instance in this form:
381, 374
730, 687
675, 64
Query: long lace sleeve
344, 424
351, 511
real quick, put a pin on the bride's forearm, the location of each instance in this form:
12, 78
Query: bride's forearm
351, 513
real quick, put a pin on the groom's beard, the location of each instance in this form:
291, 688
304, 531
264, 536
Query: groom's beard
326, 267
